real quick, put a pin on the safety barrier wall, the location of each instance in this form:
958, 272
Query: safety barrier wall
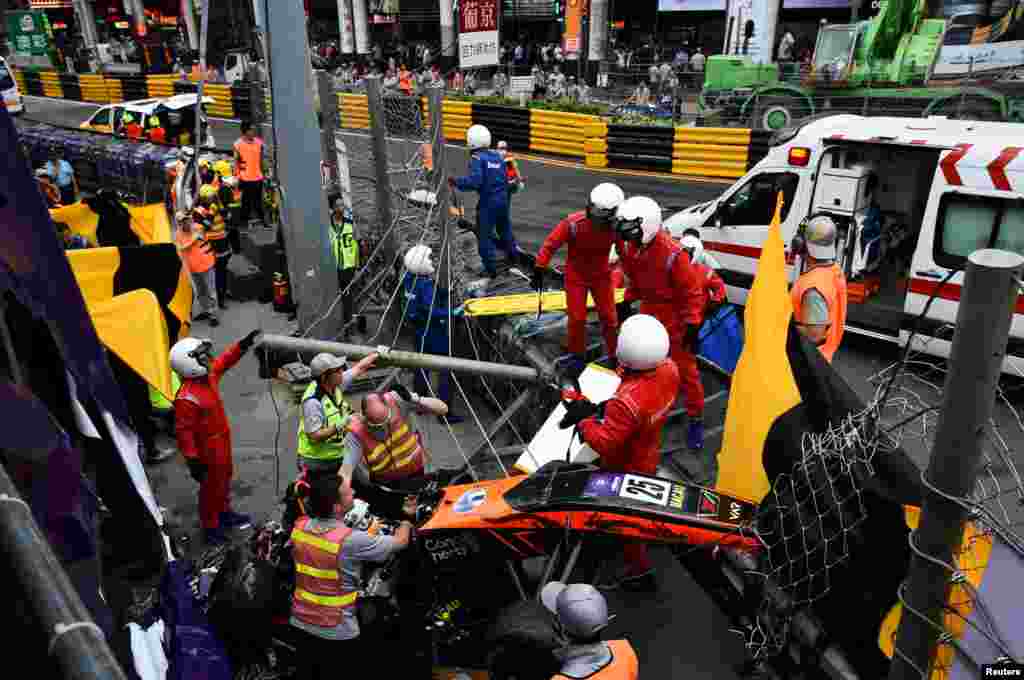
457, 116
559, 132
511, 124
354, 111
708, 152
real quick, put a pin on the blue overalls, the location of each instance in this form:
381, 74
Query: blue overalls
431, 329
487, 177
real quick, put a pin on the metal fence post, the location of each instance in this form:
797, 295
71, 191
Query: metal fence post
435, 100
982, 330
379, 136
328, 126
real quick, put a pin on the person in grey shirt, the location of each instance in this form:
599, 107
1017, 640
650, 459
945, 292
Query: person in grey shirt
322, 648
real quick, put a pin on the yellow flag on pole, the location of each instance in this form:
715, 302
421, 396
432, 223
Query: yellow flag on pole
763, 387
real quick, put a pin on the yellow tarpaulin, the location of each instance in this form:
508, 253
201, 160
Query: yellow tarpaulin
149, 222
524, 303
132, 326
94, 270
971, 561
763, 387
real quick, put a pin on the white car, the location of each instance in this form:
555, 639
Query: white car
9, 89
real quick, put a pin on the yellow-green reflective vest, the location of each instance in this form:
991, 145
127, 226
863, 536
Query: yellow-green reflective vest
157, 400
343, 244
335, 414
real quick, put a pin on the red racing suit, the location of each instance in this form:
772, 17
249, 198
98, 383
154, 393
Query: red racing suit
586, 269
204, 434
628, 435
670, 289
712, 290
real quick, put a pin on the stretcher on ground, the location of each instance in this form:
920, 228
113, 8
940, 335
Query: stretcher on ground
524, 303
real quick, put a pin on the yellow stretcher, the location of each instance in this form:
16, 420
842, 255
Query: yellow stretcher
524, 303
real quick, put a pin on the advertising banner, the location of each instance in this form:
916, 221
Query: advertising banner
29, 33
478, 33
691, 5
959, 60
574, 11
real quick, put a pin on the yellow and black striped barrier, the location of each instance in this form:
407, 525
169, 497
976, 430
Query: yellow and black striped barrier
456, 118
560, 132
355, 112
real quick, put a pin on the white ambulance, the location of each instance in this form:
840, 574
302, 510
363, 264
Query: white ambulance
9, 90
943, 188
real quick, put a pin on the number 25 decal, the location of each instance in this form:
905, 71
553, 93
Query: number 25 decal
642, 486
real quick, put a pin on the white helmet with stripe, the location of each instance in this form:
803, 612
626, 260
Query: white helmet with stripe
418, 260
639, 219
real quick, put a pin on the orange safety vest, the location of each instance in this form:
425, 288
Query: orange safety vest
511, 169
405, 81
831, 283
400, 456
623, 664
158, 135
133, 130
250, 153
197, 256
320, 599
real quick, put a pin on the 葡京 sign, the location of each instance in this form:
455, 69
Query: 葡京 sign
29, 33
478, 33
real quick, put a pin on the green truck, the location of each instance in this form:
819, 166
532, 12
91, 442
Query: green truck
900, 62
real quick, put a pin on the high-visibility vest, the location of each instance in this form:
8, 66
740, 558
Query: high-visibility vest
831, 283
158, 135
334, 414
405, 81
251, 155
160, 403
320, 598
343, 244
400, 456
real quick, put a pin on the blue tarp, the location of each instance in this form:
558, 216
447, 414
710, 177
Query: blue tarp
721, 338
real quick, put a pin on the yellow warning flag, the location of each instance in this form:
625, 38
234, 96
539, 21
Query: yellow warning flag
972, 560
132, 326
80, 218
763, 387
150, 222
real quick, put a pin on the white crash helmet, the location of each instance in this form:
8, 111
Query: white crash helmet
417, 260
580, 608
186, 153
820, 235
605, 199
643, 343
639, 218
478, 137
693, 245
190, 357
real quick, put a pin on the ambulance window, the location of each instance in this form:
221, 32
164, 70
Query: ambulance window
965, 224
754, 202
1011, 230
102, 117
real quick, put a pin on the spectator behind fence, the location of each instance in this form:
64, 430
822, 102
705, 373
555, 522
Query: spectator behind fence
697, 65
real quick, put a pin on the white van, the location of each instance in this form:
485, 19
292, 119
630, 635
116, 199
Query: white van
9, 90
944, 187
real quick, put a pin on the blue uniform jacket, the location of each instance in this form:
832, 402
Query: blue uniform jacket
487, 177
419, 291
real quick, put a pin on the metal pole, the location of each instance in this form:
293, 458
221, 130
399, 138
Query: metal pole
328, 125
80, 647
428, 362
305, 220
435, 99
361, 21
979, 345
197, 141
348, 44
379, 134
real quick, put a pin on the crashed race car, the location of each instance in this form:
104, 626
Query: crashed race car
447, 594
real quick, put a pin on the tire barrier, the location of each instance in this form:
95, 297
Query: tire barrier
93, 89
595, 144
636, 147
33, 83
240, 99
457, 116
51, 84
354, 111
71, 86
222, 106
711, 152
559, 132
511, 124
160, 86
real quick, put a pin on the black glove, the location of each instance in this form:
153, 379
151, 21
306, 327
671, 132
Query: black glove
246, 343
692, 338
402, 391
537, 280
577, 410
624, 310
197, 469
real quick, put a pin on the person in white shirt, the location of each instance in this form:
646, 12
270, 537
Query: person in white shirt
559, 57
786, 46
653, 76
665, 74
697, 63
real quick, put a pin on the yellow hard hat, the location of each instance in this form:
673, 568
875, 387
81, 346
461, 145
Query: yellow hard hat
204, 162
222, 168
207, 191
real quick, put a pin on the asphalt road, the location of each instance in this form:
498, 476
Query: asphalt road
678, 633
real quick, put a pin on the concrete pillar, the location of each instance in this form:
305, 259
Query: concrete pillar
766, 22
191, 30
448, 39
138, 17
348, 45
361, 26
87, 20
